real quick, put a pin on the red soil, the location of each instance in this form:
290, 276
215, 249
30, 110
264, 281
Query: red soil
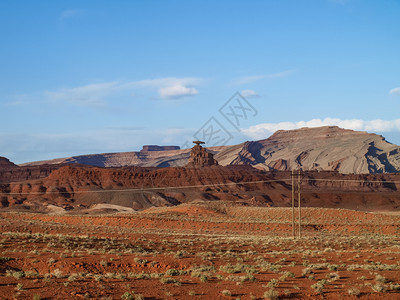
240, 249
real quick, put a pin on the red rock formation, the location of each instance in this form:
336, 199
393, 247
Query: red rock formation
10, 172
200, 157
6, 163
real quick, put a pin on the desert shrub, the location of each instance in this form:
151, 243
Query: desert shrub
305, 272
127, 296
271, 294
333, 276
353, 291
141, 261
380, 278
198, 271
141, 275
395, 286
203, 278
273, 283
57, 273
319, 286
361, 278
98, 277
5, 259
51, 261
104, 263
173, 272
285, 275
379, 287
237, 268
333, 267
179, 254
168, 280
18, 274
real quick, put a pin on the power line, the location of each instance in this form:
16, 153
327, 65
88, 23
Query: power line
200, 186
150, 189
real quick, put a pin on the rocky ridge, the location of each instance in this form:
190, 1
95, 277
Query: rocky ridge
328, 148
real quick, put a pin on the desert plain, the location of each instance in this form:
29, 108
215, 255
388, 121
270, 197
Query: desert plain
201, 250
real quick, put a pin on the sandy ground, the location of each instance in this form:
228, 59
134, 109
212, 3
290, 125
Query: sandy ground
206, 250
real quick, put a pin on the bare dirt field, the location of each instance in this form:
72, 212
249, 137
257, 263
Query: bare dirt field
203, 250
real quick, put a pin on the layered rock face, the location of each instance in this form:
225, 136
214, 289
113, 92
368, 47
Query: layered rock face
200, 157
328, 148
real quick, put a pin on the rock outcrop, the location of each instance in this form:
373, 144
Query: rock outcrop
200, 157
328, 148
6, 163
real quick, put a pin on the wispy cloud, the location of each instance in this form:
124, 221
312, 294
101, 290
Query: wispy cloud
264, 130
88, 95
342, 2
249, 94
253, 78
282, 74
395, 91
248, 79
71, 13
96, 94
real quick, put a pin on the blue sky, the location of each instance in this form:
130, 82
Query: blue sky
80, 77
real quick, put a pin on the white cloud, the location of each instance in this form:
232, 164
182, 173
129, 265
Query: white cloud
97, 93
395, 91
67, 14
250, 79
249, 94
264, 130
282, 74
177, 91
171, 87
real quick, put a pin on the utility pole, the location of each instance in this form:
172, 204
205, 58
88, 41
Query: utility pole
299, 200
293, 225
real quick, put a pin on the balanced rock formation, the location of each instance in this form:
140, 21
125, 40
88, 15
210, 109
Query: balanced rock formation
200, 157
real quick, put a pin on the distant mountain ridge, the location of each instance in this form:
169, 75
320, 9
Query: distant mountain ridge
327, 148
